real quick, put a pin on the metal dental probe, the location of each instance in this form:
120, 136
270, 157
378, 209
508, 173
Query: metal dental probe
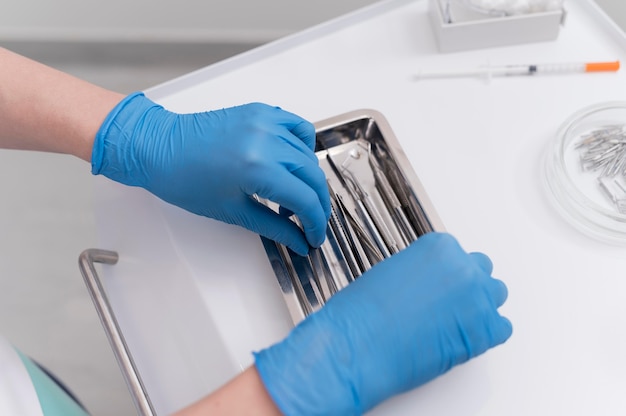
325, 282
408, 201
304, 275
371, 208
392, 201
366, 243
336, 266
361, 210
298, 288
353, 237
342, 238
380, 199
317, 277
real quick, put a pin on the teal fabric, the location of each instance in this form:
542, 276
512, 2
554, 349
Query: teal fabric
53, 399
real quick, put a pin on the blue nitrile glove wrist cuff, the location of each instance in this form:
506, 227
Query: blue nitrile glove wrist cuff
112, 153
308, 372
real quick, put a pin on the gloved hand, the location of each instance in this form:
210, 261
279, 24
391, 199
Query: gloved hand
407, 320
212, 164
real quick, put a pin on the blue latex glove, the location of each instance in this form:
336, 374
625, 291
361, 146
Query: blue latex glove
406, 321
212, 163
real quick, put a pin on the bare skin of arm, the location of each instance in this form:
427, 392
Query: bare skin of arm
244, 395
47, 110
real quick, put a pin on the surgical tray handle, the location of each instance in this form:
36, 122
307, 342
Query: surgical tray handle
86, 262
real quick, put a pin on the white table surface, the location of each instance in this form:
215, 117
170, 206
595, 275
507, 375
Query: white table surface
194, 297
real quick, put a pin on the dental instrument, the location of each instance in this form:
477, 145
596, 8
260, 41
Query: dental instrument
489, 71
360, 208
339, 232
391, 200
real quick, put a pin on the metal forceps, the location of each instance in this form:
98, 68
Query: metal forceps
366, 210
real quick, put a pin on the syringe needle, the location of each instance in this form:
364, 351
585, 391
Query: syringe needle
489, 71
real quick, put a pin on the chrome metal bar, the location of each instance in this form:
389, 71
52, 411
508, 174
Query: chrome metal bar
107, 317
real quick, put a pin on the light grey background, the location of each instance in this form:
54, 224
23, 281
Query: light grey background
46, 209
186, 20
180, 20
614, 8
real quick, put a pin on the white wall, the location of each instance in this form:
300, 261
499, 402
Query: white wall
246, 21
242, 21
239, 21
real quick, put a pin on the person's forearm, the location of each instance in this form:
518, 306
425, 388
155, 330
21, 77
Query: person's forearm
45, 109
244, 395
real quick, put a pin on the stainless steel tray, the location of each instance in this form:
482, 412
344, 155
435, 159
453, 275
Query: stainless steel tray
378, 208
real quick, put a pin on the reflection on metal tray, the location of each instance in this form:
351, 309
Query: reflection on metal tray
378, 208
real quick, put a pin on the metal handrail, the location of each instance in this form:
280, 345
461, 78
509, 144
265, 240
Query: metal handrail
86, 262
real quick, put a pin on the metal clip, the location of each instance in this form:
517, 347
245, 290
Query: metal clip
604, 151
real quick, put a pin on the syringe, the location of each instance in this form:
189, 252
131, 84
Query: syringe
517, 70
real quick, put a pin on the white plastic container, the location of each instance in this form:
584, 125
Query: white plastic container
493, 31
